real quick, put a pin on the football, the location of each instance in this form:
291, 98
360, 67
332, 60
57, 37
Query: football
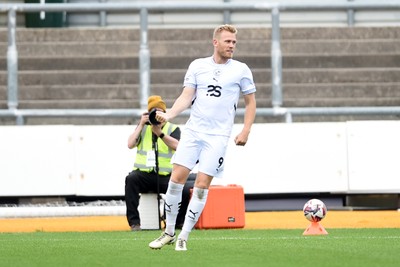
314, 210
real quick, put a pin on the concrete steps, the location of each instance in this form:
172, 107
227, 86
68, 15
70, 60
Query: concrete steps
162, 34
98, 68
201, 48
127, 96
173, 76
257, 61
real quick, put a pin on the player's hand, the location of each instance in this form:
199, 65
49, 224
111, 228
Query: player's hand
161, 116
241, 139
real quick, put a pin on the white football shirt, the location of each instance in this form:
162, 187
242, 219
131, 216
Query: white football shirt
218, 87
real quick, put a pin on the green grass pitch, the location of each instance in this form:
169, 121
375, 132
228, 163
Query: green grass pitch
235, 247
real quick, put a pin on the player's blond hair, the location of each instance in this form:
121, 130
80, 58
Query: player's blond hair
225, 27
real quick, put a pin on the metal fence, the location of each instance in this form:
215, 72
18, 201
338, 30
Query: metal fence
146, 7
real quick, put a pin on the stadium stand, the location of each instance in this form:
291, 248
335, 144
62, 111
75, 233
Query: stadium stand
325, 62
98, 67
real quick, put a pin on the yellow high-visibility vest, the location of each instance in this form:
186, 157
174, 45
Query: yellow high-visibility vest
164, 152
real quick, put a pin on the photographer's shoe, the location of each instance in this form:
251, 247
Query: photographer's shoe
135, 227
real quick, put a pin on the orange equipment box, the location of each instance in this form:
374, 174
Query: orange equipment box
225, 208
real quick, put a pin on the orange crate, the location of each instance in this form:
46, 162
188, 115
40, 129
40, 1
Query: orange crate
225, 208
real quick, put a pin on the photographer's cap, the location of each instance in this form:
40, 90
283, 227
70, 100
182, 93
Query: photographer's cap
155, 101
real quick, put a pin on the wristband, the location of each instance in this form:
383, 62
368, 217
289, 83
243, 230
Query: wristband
161, 135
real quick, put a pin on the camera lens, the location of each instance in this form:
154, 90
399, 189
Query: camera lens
152, 117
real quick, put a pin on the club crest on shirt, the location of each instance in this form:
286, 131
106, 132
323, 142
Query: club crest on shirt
217, 72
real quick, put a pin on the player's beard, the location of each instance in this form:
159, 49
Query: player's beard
225, 55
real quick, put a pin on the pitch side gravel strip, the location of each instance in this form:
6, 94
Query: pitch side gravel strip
254, 220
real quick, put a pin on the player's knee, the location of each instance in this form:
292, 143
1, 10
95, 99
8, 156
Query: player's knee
200, 193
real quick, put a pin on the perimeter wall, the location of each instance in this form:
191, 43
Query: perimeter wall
332, 157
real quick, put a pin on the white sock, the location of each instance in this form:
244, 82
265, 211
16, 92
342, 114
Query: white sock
173, 199
195, 208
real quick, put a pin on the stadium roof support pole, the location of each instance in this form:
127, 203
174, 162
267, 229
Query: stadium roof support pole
276, 60
350, 15
103, 15
144, 59
227, 14
12, 62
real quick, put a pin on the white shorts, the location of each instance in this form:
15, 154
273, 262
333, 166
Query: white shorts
208, 150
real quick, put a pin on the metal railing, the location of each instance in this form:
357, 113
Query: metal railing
144, 8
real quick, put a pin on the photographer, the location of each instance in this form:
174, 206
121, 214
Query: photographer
143, 178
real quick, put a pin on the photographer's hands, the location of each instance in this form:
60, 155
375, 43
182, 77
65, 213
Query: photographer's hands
144, 119
156, 129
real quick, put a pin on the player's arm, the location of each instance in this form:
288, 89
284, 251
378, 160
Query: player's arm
249, 116
183, 102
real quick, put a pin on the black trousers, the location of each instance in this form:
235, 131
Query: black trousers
143, 182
